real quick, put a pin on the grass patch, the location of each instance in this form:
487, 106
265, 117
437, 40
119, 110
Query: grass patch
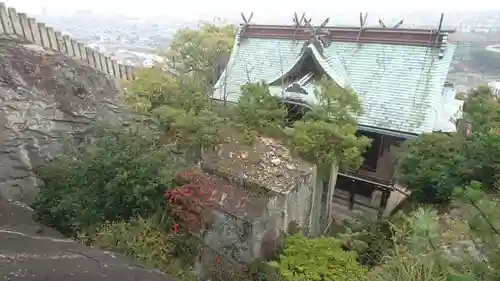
150, 242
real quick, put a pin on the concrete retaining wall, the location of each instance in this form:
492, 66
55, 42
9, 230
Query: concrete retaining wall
20, 25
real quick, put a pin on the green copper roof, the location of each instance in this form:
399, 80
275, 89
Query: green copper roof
400, 86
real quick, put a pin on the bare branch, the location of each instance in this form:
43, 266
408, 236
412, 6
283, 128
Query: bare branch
248, 71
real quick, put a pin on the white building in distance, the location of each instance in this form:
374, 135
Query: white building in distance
495, 87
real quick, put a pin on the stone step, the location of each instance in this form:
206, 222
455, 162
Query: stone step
343, 202
341, 193
346, 195
340, 211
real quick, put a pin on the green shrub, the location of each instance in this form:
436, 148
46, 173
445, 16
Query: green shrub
149, 242
318, 259
259, 110
432, 166
117, 173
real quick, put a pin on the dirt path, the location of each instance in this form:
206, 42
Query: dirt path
29, 252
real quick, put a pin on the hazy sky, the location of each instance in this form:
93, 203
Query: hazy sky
264, 8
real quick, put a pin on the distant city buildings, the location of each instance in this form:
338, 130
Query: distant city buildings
480, 22
138, 40
495, 87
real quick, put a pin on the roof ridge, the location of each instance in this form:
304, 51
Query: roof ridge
349, 28
399, 36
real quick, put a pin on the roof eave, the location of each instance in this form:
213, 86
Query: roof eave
382, 131
230, 62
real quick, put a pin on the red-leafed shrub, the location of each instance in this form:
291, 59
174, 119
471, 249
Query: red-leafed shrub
192, 201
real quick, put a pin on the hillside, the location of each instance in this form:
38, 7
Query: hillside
43, 97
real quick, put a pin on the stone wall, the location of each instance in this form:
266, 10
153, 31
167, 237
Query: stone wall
295, 207
20, 25
257, 237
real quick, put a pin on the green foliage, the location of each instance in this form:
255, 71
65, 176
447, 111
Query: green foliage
483, 223
154, 87
149, 89
461, 96
408, 267
201, 52
482, 110
191, 129
150, 242
180, 107
118, 173
416, 255
260, 111
311, 259
482, 152
369, 238
432, 248
230, 271
432, 166
463, 246
326, 135
335, 104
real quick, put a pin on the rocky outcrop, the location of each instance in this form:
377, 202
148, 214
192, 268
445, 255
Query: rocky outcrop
44, 97
29, 251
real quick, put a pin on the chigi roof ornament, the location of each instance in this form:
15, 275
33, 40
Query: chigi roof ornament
246, 23
320, 36
298, 22
302, 30
382, 24
362, 23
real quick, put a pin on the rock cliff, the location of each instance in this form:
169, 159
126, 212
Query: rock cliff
44, 97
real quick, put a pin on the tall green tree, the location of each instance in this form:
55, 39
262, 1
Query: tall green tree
327, 133
482, 110
154, 88
179, 106
201, 52
260, 111
434, 164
